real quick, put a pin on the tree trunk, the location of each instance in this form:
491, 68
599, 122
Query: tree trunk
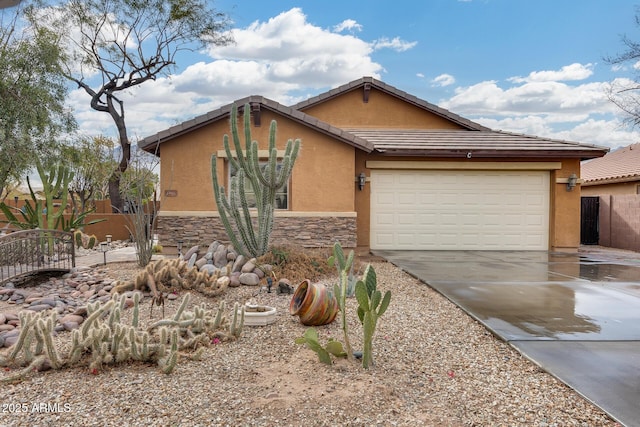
117, 202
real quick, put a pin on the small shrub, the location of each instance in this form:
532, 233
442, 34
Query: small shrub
157, 249
297, 263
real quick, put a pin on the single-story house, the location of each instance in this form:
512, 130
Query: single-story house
382, 169
611, 199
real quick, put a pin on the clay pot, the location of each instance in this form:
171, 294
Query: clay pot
315, 304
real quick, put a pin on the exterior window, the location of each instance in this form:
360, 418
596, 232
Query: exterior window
282, 195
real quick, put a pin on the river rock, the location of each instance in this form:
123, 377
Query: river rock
249, 266
70, 326
192, 260
71, 318
239, 262
39, 307
220, 256
201, 262
191, 251
234, 280
249, 279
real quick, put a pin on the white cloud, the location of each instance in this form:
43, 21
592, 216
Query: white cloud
285, 58
563, 108
289, 49
395, 44
567, 73
536, 97
443, 80
348, 24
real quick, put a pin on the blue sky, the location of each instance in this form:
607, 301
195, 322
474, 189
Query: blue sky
532, 67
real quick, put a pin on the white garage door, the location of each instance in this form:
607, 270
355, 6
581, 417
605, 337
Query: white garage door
459, 210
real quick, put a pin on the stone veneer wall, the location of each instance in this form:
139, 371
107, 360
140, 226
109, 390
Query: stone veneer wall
303, 231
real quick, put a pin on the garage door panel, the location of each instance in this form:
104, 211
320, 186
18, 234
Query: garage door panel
496, 210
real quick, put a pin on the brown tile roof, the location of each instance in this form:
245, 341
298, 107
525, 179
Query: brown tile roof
457, 143
621, 165
152, 143
411, 99
479, 140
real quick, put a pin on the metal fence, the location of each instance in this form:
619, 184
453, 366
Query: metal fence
30, 251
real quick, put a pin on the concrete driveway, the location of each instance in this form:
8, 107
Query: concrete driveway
575, 315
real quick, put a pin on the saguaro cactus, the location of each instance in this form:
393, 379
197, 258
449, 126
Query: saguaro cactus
234, 212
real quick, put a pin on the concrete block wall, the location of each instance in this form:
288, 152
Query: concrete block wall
620, 221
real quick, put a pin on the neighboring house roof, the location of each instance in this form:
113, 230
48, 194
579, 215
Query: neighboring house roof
152, 143
621, 165
478, 140
365, 81
454, 143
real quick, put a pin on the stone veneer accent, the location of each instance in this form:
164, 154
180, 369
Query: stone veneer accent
306, 231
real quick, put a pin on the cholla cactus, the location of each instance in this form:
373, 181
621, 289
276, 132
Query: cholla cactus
235, 213
105, 339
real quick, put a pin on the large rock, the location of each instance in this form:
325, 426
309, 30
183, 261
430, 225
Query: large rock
249, 279
213, 246
249, 266
234, 280
71, 318
192, 260
190, 252
220, 256
201, 262
238, 263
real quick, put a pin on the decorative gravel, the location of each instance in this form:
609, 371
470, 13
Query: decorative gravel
435, 366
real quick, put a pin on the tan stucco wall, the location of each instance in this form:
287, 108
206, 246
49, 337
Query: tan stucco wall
382, 111
322, 178
564, 227
615, 189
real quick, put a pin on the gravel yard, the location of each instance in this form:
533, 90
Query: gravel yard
434, 366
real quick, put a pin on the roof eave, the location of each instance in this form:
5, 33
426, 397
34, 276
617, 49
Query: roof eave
470, 153
606, 181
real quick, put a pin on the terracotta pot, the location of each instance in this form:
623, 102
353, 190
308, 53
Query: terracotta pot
315, 304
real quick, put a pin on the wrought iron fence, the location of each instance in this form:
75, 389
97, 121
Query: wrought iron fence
29, 251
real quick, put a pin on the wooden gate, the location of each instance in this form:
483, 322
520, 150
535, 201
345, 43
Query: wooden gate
589, 220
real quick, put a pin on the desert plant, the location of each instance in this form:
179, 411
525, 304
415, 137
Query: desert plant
371, 305
104, 339
139, 190
344, 266
55, 184
312, 341
77, 221
235, 213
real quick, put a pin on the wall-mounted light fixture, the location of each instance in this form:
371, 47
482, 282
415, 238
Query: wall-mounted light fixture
180, 242
572, 181
362, 179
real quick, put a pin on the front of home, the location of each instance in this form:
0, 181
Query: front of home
382, 169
